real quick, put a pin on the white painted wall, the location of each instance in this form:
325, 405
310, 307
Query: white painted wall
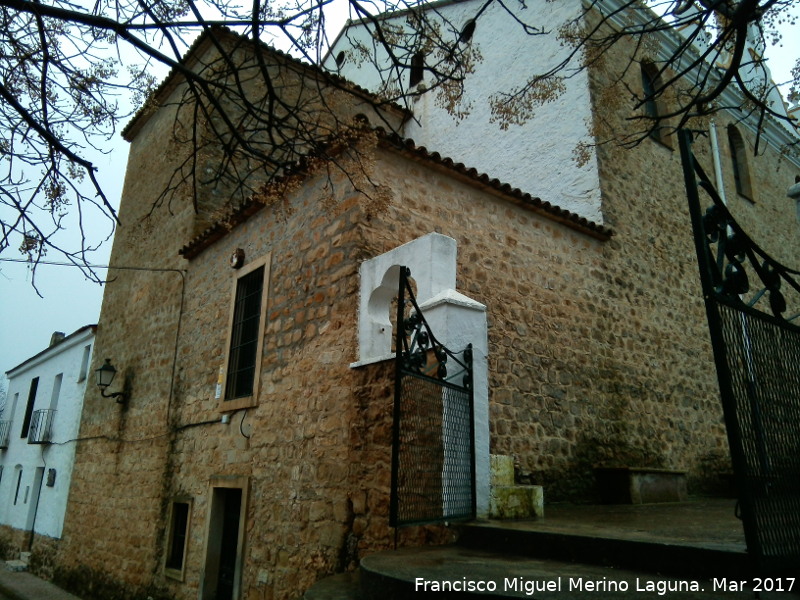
458, 321
536, 157
432, 260
66, 360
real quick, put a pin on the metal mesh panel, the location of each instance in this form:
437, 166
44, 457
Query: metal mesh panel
763, 358
756, 345
434, 466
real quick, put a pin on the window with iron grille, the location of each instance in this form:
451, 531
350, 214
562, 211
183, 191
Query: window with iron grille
741, 171
245, 336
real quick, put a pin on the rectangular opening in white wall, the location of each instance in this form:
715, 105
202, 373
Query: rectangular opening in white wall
85, 363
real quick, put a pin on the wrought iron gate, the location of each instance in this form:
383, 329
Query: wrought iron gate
433, 450
757, 356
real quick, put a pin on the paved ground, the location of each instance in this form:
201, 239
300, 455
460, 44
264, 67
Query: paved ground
435, 569
706, 523
21, 585
700, 524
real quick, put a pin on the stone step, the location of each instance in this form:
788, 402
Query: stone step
501, 469
681, 551
16, 565
516, 502
682, 560
509, 500
446, 572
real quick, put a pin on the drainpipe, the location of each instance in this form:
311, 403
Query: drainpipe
717, 165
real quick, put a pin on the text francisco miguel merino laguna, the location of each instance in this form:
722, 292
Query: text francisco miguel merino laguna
566, 584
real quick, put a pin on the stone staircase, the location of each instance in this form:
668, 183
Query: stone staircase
691, 550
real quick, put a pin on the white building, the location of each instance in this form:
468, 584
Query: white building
536, 156
38, 424
547, 148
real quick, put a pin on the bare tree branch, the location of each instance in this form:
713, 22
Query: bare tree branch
69, 72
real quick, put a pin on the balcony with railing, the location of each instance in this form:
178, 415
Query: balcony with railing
5, 427
41, 430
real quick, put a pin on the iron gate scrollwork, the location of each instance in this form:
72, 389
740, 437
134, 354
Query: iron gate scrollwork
433, 450
757, 355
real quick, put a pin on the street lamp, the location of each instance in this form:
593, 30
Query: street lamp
105, 375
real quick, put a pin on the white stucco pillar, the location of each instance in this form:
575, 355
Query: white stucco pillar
458, 321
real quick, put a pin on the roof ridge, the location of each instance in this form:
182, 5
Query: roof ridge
205, 36
219, 228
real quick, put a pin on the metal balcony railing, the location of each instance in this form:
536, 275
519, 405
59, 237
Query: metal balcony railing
5, 427
41, 430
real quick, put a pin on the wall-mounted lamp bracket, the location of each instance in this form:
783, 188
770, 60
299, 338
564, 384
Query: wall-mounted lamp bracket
105, 375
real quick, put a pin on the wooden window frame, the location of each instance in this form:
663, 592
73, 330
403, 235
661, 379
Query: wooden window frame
226, 404
170, 571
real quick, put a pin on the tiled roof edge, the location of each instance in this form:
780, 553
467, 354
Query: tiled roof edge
548, 209
395, 142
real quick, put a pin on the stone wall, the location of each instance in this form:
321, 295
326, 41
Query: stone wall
315, 450
577, 352
599, 355
659, 310
115, 516
599, 351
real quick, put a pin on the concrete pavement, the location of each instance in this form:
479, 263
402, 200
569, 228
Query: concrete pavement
21, 585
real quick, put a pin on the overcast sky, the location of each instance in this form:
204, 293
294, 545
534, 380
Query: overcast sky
70, 301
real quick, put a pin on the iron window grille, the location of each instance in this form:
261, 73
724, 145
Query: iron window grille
5, 428
41, 429
244, 337
652, 86
741, 172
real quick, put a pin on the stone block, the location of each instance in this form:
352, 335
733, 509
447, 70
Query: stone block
516, 502
633, 485
16, 565
502, 470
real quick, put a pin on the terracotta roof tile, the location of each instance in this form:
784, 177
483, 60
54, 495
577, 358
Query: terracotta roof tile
408, 147
551, 210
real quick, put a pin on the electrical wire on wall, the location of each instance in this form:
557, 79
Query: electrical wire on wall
241, 424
